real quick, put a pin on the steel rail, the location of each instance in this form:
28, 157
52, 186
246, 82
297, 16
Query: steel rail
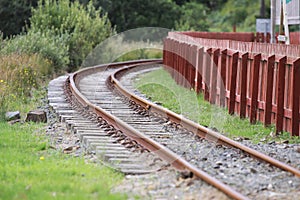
166, 154
197, 128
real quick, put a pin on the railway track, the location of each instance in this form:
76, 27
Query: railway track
137, 136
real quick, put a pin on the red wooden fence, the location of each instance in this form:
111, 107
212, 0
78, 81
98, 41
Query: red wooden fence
243, 37
261, 37
255, 80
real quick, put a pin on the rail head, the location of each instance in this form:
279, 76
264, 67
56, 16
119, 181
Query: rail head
195, 127
144, 140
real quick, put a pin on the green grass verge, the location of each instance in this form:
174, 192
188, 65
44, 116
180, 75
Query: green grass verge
141, 54
22, 103
161, 88
31, 170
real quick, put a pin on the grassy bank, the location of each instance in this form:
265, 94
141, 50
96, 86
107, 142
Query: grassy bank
161, 88
29, 169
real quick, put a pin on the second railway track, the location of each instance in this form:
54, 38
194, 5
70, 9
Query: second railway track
136, 137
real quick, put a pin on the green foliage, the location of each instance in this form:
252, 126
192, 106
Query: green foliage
20, 76
194, 18
83, 26
31, 170
14, 14
140, 13
50, 46
212, 4
239, 13
141, 54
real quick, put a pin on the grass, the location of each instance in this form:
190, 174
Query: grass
29, 169
141, 54
161, 88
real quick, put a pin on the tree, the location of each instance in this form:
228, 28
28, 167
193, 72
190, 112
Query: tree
83, 26
212, 5
140, 13
236, 13
193, 17
14, 14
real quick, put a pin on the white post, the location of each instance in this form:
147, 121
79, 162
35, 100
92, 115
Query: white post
273, 20
286, 25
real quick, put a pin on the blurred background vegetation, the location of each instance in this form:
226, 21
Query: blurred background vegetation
40, 39
200, 15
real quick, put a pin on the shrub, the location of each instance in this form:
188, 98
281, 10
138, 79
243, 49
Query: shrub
20, 74
50, 46
85, 26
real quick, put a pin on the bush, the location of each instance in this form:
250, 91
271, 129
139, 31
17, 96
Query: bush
20, 74
46, 44
85, 26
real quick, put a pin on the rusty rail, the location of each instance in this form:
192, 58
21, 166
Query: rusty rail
197, 128
176, 161
155, 147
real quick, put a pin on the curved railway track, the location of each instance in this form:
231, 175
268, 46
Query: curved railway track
138, 136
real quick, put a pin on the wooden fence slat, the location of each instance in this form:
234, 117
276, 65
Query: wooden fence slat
254, 88
223, 77
233, 69
180, 62
185, 66
199, 70
243, 78
295, 97
273, 95
172, 59
190, 67
214, 76
269, 90
172, 62
194, 63
280, 94
185, 69
184, 79
176, 62
208, 60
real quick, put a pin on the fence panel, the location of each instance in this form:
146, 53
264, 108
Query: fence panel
254, 80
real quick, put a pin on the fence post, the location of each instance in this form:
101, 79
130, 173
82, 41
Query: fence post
187, 72
254, 88
177, 60
233, 69
280, 94
165, 51
214, 76
193, 65
183, 67
206, 70
223, 77
199, 70
243, 101
269, 90
295, 97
